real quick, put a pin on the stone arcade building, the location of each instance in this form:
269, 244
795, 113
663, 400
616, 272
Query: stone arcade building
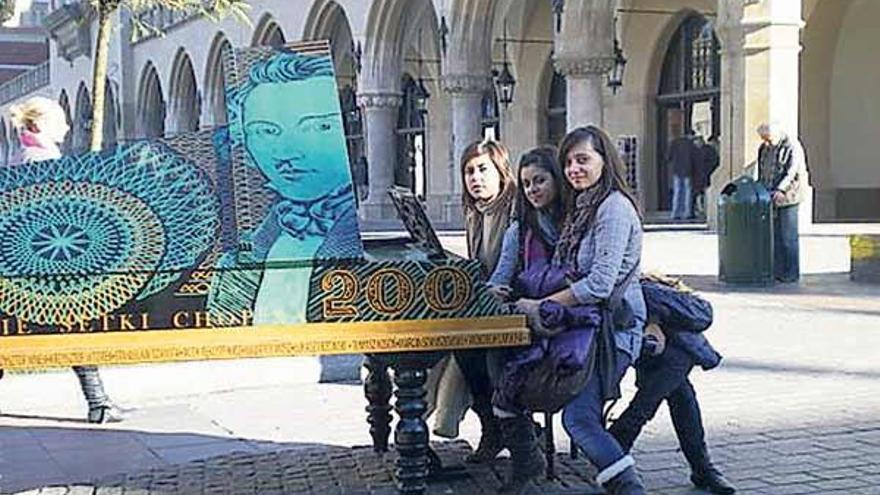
719, 67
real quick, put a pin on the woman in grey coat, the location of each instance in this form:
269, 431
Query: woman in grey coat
601, 243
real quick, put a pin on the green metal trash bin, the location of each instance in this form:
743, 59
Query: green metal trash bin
745, 233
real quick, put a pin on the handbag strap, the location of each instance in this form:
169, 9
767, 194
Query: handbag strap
617, 292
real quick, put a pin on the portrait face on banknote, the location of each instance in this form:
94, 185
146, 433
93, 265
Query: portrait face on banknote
292, 126
286, 125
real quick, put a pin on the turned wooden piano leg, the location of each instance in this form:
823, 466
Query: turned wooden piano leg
411, 434
377, 389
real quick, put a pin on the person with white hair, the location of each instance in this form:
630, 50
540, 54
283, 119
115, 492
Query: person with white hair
42, 126
782, 168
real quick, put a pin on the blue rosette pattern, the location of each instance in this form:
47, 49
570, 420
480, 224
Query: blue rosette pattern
84, 235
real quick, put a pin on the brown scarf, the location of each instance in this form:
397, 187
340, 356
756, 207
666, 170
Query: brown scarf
576, 224
486, 224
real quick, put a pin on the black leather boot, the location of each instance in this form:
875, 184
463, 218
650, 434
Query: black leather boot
491, 441
625, 483
527, 462
711, 480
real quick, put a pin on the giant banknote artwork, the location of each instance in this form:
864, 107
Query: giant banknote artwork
237, 241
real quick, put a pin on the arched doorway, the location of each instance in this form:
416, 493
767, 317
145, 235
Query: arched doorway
839, 70
268, 33
214, 75
556, 111
151, 105
410, 169
186, 100
688, 96
111, 117
82, 120
64, 102
328, 20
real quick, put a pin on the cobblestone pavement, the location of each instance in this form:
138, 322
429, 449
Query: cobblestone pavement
324, 470
793, 409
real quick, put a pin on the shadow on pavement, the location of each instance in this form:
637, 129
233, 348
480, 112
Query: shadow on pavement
43, 460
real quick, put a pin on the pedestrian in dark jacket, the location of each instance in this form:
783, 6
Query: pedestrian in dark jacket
683, 159
676, 318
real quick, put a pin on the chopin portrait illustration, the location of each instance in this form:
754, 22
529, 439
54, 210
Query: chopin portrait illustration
284, 112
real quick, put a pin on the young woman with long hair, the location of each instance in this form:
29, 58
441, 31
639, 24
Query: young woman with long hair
528, 245
601, 244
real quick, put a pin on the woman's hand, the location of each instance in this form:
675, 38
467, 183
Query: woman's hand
503, 293
528, 306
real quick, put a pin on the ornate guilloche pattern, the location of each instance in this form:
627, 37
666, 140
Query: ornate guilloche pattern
238, 241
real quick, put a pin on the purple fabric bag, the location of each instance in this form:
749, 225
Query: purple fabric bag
546, 375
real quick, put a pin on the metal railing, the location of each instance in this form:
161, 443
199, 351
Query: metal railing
25, 83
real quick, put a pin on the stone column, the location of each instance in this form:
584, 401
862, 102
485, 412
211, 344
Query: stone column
380, 140
466, 96
585, 80
760, 83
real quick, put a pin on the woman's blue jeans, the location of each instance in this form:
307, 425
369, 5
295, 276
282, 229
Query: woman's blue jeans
582, 419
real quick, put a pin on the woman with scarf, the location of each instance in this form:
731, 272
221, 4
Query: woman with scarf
42, 126
487, 198
528, 246
601, 245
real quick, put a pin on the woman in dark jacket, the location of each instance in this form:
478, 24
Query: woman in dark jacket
528, 247
677, 319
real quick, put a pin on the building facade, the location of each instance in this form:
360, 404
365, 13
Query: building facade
718, 67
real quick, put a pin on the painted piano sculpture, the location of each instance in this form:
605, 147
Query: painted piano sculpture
241, 241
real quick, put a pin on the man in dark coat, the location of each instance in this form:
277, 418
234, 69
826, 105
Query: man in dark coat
709, 161
683, 159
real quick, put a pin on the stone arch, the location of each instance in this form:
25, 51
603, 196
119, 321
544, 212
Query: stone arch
64, 102
82, 119
470, 41
151, 104
328, 20
268, 32
215, 90
185, 100
655, 194
838, 104
391, 26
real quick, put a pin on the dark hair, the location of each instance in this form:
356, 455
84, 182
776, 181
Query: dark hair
500, 158
612, 172
543, 157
